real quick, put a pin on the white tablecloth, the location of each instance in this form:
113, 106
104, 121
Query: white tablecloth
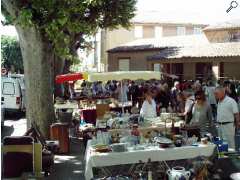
130, 157
66, 106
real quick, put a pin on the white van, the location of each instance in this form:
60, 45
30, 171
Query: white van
12, 94
21, 79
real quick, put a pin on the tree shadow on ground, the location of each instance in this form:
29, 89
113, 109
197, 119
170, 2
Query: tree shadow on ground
69, 166
14, 116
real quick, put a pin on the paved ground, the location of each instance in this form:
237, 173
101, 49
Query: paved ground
67, 167
71, 166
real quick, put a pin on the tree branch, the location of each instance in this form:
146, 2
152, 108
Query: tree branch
11, 7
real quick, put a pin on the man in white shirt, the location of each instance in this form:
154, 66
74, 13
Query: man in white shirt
227, 116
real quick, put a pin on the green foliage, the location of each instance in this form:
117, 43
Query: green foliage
66, 22
11, 53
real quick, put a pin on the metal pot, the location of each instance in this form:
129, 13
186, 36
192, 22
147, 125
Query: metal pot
178, 173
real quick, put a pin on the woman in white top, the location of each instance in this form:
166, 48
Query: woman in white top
148, 109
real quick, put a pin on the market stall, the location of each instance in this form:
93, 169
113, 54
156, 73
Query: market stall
70, 77
122, 75
132, 156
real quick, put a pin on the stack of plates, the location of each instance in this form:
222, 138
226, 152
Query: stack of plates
101, 148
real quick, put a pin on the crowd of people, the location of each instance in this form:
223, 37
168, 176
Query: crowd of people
213, 107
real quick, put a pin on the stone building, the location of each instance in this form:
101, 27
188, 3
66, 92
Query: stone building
142, 28
214, 54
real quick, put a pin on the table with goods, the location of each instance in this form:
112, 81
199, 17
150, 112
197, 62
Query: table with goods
133, 147
124, 140
96, 155
132, 139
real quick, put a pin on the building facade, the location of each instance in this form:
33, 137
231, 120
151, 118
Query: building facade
214, 54
142, 30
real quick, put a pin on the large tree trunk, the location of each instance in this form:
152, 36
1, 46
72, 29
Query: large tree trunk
38, 65
58, 69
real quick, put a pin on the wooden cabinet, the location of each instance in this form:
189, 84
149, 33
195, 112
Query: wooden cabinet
60, 132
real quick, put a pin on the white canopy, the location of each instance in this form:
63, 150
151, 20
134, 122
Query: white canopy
121, 75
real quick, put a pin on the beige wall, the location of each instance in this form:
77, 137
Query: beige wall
138, 60
218, 36
232, 70
189, 30
119, 36
148, 31
169, 31
116, 37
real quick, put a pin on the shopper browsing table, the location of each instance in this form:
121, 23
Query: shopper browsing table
189, 103
202, 114
227, 116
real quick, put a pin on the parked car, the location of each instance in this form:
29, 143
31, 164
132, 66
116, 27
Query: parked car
21, 79
12, 94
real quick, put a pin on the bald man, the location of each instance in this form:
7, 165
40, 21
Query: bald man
227, 116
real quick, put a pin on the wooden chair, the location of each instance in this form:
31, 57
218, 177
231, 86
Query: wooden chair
49, 148
16, 146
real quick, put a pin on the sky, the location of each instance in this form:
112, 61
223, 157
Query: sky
194, 11
198, 11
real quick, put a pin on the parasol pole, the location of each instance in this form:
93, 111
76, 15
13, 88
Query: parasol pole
122, 96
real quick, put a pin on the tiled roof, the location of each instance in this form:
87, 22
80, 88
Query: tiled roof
233, 24
173, 41
207, 50
181, 46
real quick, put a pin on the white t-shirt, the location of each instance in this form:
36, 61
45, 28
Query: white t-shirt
148, 110
226, 110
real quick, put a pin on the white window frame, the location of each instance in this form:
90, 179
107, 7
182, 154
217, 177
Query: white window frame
158, 32
124, 64
138, 31
8, 88
197, 30
157, 67
181, 30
